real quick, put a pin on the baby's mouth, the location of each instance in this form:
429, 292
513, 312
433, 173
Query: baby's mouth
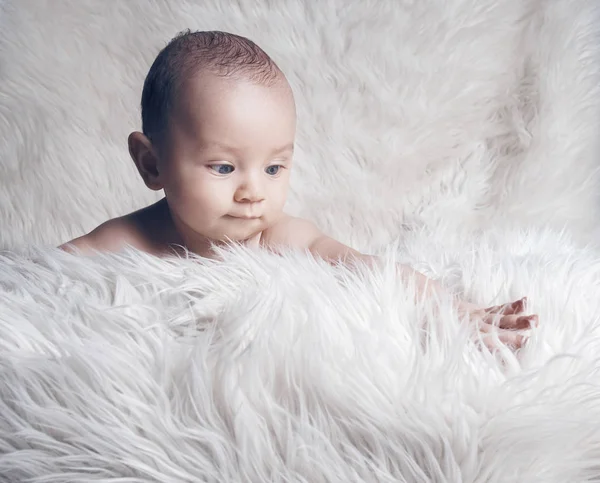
244, 217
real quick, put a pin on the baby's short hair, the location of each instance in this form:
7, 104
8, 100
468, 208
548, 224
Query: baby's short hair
218, 53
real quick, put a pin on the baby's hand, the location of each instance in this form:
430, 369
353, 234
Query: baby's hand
508, 321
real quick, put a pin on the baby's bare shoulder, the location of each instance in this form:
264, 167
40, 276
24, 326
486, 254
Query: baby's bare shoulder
146, 229
291, 232
111, 236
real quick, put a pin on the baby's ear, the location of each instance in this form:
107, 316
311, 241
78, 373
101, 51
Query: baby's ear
145, 158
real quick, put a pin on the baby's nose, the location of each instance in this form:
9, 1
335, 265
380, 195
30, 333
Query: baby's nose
249, 192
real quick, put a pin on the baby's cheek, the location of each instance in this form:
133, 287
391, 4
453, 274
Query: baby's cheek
280, 197
212, 201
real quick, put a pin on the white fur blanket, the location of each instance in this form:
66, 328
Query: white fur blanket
262, 368
455, 115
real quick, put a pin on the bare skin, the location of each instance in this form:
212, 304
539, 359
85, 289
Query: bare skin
225, 172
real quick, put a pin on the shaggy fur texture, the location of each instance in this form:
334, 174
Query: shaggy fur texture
456, 115
262, 368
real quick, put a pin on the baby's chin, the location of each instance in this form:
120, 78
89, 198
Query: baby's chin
240, 230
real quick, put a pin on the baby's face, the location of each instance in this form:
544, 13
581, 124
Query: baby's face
226, 172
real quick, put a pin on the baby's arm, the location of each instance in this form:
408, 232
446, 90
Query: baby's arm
303, 234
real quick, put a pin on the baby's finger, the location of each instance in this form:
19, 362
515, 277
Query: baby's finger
519, 306
509, 338
517, 322
512, 338
508, 309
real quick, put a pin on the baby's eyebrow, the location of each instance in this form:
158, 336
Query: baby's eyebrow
220, 147
231, 149
287, 147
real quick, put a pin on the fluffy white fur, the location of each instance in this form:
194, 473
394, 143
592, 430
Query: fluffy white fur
261, 368
456, 115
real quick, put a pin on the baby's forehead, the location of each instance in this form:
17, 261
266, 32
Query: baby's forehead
209, 79
211, 104
207, 89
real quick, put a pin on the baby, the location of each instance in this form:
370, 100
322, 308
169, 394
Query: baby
219, 122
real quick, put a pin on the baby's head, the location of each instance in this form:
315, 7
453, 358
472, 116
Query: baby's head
219, 122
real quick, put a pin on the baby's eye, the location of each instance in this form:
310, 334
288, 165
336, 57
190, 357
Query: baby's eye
222, 168
273, 170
